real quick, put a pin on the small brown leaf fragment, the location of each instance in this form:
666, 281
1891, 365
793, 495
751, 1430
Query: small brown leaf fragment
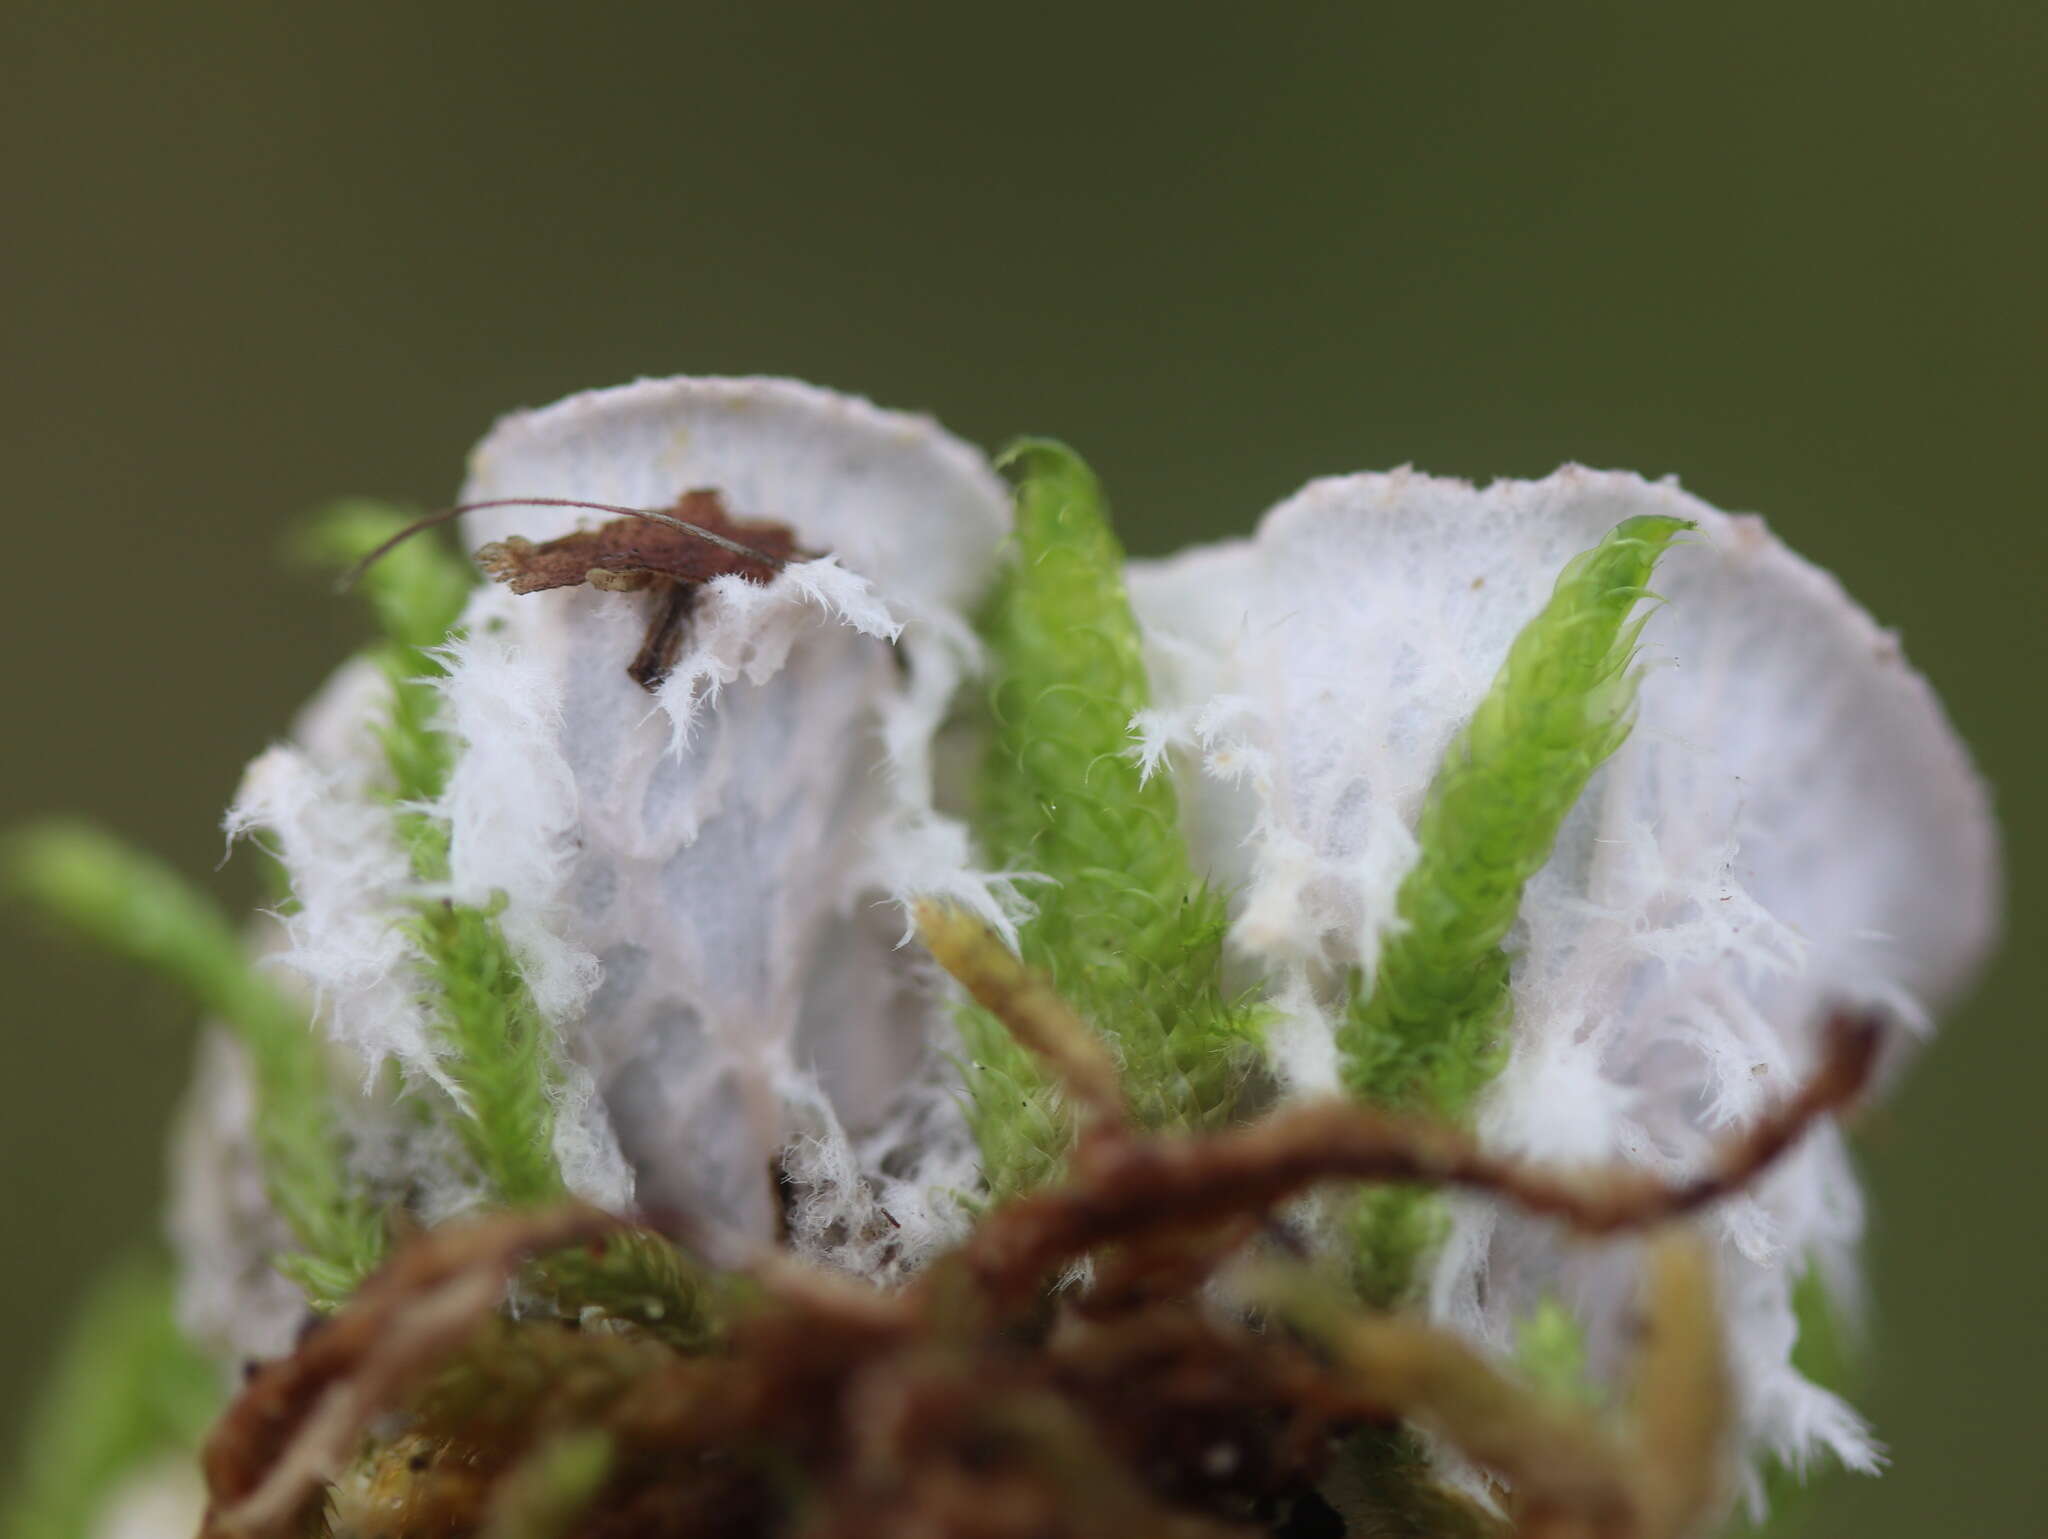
298, 1419
643, 554
639, 551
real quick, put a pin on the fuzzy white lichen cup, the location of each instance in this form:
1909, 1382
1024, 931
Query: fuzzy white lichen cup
1792, 826
703, 886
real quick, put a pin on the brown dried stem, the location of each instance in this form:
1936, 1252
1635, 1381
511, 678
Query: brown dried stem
833, 1410
1028, 1005
1128, 1188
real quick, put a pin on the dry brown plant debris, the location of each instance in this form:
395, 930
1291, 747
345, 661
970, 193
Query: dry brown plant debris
670, 558
1109, 1357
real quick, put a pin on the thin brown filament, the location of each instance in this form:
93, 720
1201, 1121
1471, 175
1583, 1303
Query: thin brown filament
447, 515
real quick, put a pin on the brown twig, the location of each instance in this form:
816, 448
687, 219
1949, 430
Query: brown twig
1027, 1004
1124, 1189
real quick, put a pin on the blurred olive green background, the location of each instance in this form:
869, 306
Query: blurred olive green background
255, 256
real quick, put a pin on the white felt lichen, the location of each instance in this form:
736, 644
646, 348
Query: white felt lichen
1792, 825
698, 885
701, 886
726, 851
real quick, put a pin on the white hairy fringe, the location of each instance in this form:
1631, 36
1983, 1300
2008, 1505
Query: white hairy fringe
313, 803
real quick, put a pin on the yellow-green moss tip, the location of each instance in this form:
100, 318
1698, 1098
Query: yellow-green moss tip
1550, 1354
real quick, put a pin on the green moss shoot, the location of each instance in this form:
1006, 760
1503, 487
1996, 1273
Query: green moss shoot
1130, 934
1431, 1030
136, 908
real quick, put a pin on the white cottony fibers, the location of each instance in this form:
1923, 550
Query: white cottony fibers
734, 835
586, 1145
1791, 826
744, 630
510, 803
883, 1205
313, 803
